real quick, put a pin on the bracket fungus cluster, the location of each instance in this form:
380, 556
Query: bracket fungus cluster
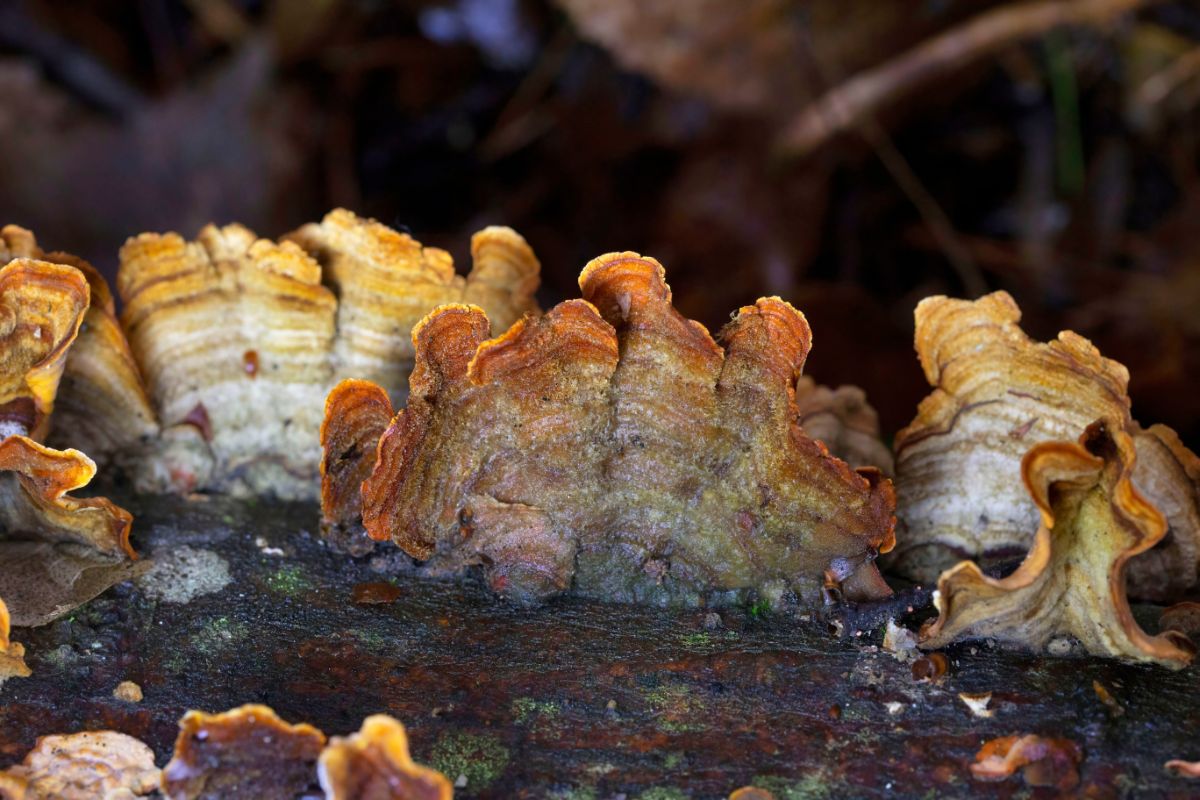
997, 394
240, 338
246, 753
1072, 582
609, 446
56, 550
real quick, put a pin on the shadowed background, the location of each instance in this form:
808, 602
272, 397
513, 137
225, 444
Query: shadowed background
849, 155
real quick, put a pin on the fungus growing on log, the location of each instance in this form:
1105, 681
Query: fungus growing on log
1072, 582
997, 394
843, 421
12, 654
83, 766
57, 551
245, 752
387, 281
611, 446
240, 339
375, 763
100, 405
41, 308
1041, 761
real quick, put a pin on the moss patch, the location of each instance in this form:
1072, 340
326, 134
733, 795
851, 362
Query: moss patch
480, 758
663, 793
676, 707
290, 581
814, 786
524, 709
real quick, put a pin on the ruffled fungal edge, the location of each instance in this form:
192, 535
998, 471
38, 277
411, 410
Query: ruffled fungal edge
972, 604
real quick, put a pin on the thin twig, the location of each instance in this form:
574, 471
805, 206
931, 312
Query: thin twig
846, 105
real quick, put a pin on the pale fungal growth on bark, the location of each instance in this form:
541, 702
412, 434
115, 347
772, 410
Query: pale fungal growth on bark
83, 766
845, 422
612, 448
1072, 582
996, 394
241, 338
386, 281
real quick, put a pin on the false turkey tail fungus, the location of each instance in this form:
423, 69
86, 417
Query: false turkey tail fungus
100, 404
375, 763
42, 306
241, 338
612, 446
1072, 582
245, 752
58, 550
83, 766
843, 421
387, 281
997, 394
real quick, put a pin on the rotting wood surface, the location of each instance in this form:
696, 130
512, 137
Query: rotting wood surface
574, 699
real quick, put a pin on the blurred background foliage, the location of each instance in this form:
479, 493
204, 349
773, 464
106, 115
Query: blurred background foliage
851, 156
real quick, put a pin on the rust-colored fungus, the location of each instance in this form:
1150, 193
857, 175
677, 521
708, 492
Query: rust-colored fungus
751, 793
41, 308
83, 766
57, 550
34, 500
1072, 582
255, 333
12, 654
1042, 761
101, 405
245, 752
356, 414
845, 422
997, 394
612, 446
374, 764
